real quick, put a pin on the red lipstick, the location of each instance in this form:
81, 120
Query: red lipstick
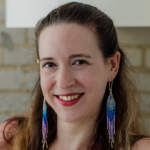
68, 103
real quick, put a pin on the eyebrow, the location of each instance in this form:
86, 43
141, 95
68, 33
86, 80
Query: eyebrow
72, 56
46, 58
79, 55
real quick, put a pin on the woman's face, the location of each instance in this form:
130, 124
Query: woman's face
72, 70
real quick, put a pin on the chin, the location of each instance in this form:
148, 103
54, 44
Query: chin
70, 116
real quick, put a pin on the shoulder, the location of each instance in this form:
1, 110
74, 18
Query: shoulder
7, 129
142, 144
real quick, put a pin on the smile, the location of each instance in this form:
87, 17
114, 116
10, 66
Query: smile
69, 98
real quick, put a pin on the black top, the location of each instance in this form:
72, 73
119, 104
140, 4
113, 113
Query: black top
135, 138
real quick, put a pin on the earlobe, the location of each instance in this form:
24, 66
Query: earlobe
37, 61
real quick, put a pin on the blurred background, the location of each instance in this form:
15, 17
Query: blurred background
19, 71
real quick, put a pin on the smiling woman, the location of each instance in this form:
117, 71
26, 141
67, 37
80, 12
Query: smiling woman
76, 68
84, 92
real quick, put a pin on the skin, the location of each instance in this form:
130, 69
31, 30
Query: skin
9, 131
142, 144
74, 129
62, 72
75, 123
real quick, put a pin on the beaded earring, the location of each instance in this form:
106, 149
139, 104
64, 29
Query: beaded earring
110, 111
44, 124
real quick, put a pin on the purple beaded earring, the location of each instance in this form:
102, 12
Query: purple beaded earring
110, 111
44, 124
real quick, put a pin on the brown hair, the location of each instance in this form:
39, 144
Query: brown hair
128, 114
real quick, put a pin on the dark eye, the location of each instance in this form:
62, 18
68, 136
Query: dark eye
49, 64
80, 62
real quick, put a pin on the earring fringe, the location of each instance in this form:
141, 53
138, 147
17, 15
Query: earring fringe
44, 125
111, 111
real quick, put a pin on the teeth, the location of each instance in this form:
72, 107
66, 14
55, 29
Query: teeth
65, 98
69, 98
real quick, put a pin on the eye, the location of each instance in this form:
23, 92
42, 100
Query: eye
49, 64
80, 62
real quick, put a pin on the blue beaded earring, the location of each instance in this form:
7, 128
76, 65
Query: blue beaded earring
110, 111
44, 124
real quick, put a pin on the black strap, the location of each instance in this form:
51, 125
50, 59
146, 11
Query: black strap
135, 138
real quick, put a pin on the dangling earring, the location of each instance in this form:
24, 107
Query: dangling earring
110, 111
44, 124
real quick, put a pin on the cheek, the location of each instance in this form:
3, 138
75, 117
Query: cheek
46, 82
95, 82
94, 77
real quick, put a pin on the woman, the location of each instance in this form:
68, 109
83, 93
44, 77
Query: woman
84, 92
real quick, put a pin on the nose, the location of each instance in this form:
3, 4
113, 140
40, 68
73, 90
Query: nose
65, 78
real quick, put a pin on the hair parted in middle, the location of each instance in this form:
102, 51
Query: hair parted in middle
127, 107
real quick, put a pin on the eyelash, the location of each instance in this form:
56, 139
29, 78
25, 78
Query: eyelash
73, 63
48, 64
80, 61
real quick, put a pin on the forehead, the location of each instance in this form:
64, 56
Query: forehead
67, 37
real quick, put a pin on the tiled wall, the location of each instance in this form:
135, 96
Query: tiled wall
19, 71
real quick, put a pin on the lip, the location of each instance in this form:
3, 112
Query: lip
68, 103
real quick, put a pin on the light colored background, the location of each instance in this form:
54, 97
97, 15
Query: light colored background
19, 71
128, 12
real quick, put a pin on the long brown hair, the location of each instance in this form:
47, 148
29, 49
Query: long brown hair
128, 115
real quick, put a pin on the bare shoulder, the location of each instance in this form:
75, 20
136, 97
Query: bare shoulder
142, 144
9, 130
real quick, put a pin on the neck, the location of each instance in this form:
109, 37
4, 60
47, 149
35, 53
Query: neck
74, 135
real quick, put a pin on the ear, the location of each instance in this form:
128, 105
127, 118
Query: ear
114, 62
38, 61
